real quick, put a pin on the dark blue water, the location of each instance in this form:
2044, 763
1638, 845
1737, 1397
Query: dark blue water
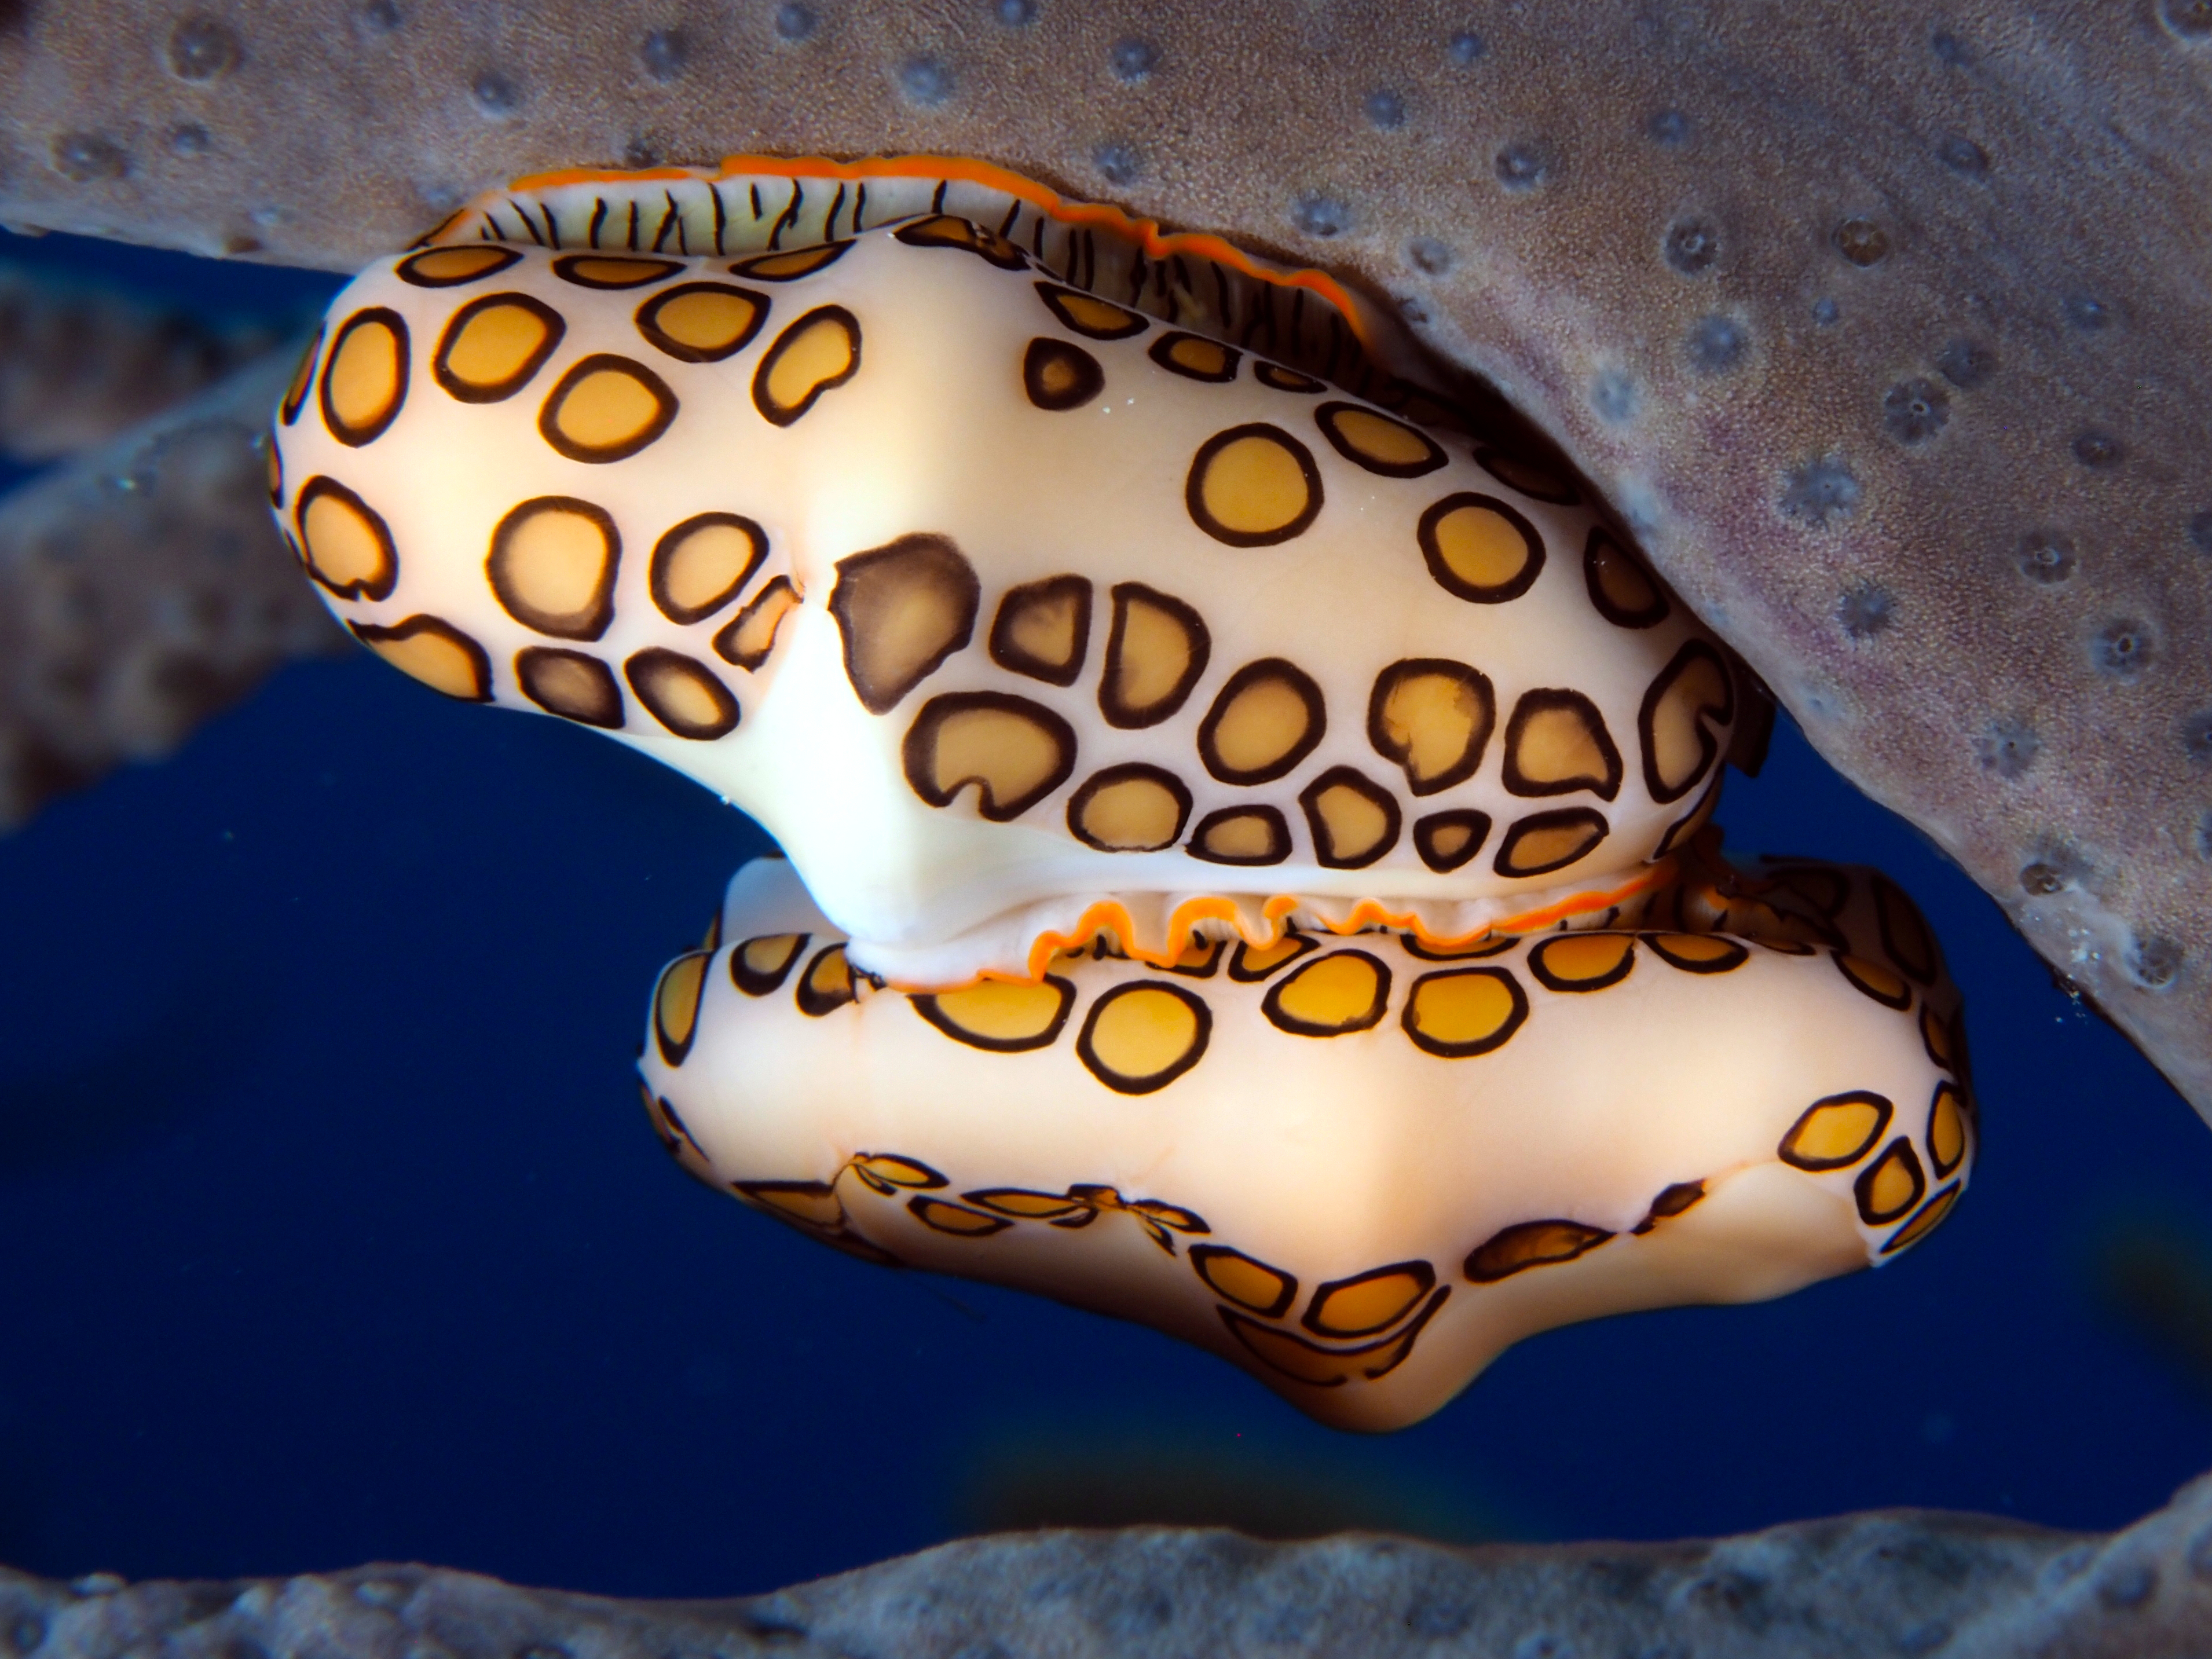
331, 1229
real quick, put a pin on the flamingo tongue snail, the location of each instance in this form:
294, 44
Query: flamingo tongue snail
1248, 817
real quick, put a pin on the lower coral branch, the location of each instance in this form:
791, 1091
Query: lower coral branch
1894, 1581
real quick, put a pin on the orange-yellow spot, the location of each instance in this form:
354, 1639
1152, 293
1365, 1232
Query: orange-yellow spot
367, 375
494, 345
1930, 1216
440, 661
1621, 581
1836, 1133
1092, 315
816, 353
701, 571
1367, 1304
751, 640
1242, 836
676, 1010
1377, 438
1697, 948
1947, 1130
1464, 1011
1001, 1013
1131, 814
1251, 1283
1877, 981
456, 264
610, 408
343, 546
1480, 546
1341, 992
1680, 744
1576, 960
1255, 485
550, 569
709, 321
1144, 1033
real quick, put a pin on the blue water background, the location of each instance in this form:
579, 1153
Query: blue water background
332, 1230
